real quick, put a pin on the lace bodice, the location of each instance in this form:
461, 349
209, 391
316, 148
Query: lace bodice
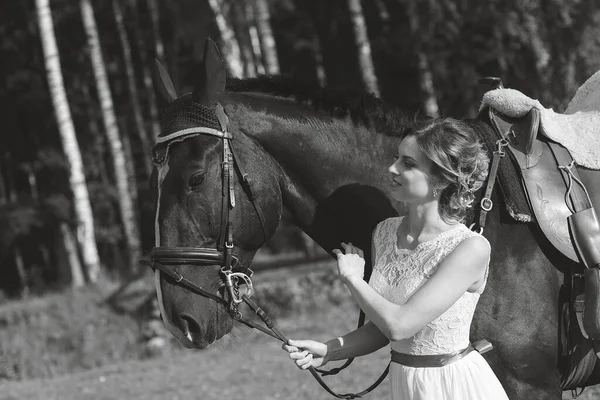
398, 273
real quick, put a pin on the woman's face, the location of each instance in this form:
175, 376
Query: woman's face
411, 174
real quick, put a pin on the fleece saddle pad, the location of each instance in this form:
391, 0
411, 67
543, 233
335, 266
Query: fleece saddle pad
578, 130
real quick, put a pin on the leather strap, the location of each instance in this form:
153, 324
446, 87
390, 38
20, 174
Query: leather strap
440, 360
430, 361
277, 334
579, 197
181, 280
486, 203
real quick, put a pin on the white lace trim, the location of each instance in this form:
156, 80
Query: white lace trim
398, 273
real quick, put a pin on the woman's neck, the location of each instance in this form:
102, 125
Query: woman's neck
424, 219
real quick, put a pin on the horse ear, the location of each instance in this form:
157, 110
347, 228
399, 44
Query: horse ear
163, 83
211, 82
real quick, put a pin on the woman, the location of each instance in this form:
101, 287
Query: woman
428, 273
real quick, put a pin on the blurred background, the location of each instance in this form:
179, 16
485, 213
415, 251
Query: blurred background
79, 116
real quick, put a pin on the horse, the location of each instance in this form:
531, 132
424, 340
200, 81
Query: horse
235, 152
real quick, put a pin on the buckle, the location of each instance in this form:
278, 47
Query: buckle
500, 144
486, 204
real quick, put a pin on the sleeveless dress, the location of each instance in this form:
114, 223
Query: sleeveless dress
397, 274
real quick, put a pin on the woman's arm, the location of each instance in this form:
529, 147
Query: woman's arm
458, 271
364, 340
309, 353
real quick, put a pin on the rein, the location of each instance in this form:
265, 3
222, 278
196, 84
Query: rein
233, 273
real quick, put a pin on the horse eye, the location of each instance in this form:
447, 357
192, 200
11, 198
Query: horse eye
196, 179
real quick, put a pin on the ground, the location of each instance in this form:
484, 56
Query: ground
246, 364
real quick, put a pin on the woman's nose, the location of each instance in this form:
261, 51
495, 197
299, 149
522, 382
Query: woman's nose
393, 170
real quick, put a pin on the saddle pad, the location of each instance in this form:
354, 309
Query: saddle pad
579, 131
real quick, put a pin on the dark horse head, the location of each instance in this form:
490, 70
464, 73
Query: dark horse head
220, 195
229, 161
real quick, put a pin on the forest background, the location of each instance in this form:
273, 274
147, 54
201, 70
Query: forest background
79, 113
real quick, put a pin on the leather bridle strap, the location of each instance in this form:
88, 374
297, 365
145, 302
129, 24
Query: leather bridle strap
181, 280
277, 334
244, 181
486, 203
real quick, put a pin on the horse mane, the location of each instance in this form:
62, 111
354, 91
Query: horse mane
365, 109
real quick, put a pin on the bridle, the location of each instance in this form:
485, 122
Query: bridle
233, 273
164, 259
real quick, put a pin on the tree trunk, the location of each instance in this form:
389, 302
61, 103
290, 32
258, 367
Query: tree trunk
364, 47
31, 179
3, 194
33, 189
130, 166
541, 53
83, 209
131, 85
384, 15
146, 72
72, 257
98, 143
241, 23
426, 86
124, 190
319, 63
21, 271
229, 44
10, 180
430, 103
267, 40
254, 50
159, 48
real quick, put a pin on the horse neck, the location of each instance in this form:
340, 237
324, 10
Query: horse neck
333, 172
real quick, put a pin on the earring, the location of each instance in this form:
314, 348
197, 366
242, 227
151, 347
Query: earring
435, 192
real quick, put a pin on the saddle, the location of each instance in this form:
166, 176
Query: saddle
563, 198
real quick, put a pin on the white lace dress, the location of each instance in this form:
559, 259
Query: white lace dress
397, 274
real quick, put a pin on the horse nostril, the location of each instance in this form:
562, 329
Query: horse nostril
190, 325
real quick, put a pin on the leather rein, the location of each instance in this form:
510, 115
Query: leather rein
232, 272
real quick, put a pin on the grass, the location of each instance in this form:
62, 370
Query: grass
63, 333
73, 346
77, 330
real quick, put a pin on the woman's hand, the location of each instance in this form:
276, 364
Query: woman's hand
306, 353
351, 264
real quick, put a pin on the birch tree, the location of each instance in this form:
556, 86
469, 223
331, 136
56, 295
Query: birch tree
318, 57
250, 43
426, 86
132, 87
241, 23
124, 189
159, 48
81, 202
364, 47
146, 72
267, 40
229, 44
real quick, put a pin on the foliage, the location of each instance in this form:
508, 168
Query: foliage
543, 48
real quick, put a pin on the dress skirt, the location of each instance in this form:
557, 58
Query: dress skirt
469, 378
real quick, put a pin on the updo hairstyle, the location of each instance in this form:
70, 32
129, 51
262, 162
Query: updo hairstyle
460, 161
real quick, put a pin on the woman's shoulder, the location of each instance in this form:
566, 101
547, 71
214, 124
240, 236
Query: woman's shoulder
388, 223
469, 241
465, 236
